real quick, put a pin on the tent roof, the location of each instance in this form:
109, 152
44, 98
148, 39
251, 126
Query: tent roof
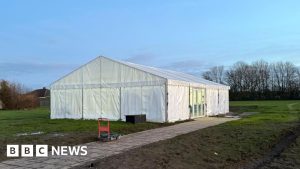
171, 75
162, 73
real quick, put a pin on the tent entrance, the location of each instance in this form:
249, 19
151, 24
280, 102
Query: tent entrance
197, 102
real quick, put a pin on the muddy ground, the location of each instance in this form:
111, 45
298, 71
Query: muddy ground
201, 150
53, 139
190, 151
289, 158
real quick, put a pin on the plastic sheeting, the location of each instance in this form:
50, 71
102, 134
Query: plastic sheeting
153, 103
223, 106
131, 101
106, 73
177, 77
91, 103
149, 100
101, 103
178, 103
73, 104
105, 88
217, 102
66, 104
212, 102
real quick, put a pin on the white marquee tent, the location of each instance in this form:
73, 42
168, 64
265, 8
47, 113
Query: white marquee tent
113, 89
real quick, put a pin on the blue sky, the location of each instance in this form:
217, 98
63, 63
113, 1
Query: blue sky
41, 41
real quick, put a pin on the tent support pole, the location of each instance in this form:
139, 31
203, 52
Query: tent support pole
190, 105
120, 103
166, 101
82, 103
82, 94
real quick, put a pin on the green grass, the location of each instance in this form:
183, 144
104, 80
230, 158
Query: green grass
254, 135
235, 144
27, 121
55, 131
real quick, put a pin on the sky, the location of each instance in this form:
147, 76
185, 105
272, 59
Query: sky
40, 41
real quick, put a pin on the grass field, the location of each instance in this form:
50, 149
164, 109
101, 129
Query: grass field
16, 127
237, 144
231, 145
28, 121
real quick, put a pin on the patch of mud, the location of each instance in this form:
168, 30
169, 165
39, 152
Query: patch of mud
150, 156
246, 114
240, 109
229, 115
56, 135
289, 159
30, 134
276, 150
51, 139
291, 108
235, 115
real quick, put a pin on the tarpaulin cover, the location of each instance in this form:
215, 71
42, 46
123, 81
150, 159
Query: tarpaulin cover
178, 103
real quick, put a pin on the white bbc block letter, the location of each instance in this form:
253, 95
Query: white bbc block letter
12, 150
27, 150
41, 150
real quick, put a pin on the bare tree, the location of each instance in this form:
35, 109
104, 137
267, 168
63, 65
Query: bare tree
261, 80
285, 76
298, 78
262, 75
215, 74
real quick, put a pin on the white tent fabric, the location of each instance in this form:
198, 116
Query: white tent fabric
176, 76
91, 103
178, 101
114, 89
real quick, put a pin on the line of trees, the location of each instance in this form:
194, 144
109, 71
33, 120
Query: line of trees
16, 96
259, 80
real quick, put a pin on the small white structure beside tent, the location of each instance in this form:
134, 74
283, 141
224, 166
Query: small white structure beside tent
113, 89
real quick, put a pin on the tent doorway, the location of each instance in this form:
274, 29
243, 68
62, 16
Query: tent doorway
197, 102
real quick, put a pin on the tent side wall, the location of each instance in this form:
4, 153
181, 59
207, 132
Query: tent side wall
148, 100
217, 101
66, 101
105, 88
224, 101
178, 103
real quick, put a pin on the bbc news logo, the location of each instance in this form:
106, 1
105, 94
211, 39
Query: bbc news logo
42, 151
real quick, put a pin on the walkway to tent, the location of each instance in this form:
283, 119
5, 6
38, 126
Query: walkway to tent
98, 150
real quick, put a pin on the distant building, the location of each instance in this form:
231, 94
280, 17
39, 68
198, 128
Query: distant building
43, 95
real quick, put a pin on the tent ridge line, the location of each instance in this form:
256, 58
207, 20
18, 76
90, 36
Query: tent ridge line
113, 60
78, 68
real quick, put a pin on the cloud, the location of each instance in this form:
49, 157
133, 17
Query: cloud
142, 58
33, 74
26, 68
194, 67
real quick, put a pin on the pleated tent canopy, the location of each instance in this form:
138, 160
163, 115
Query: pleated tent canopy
113, 89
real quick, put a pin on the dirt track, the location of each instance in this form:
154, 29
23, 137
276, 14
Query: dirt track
289, 159
276, 151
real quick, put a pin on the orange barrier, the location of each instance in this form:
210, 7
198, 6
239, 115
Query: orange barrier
103, 128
